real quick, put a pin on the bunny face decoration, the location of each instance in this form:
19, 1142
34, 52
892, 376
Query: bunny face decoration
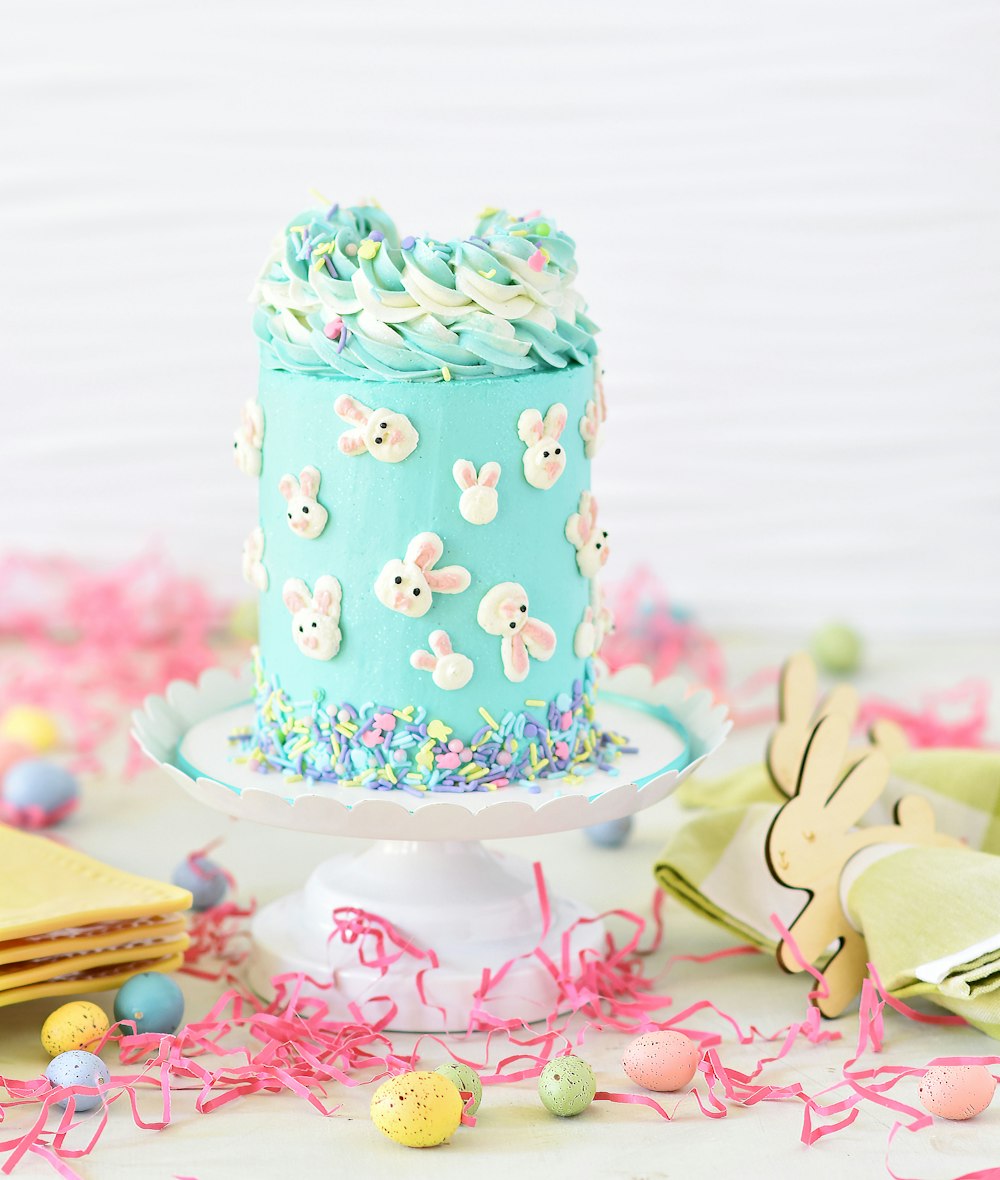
478, 503
545, 458
590, 542
306, 515
596, 624
592, 422
253, 560
249, 438
408, 586
384, 434
315, 616
449, 669
503, 611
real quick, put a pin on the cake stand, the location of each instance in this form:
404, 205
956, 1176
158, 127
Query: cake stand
427, 872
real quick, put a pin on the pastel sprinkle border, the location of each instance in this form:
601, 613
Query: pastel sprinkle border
386, 749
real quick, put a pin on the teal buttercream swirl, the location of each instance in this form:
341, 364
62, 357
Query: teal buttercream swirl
342, 292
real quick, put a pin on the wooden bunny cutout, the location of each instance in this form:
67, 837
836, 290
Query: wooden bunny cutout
814, 835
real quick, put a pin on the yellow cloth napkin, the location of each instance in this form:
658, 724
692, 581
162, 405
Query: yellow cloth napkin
69, 923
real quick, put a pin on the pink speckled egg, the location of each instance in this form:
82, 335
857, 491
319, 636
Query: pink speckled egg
957, 1091
661, 1060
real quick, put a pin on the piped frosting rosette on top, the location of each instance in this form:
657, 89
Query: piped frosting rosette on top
342, 292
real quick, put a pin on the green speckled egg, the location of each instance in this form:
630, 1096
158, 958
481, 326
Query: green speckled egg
79, 1025
566, 1086
465, 1078
420, 1109
837, 648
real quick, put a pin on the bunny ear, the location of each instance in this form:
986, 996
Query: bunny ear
309, 479
540, 639
288, 485
440, 643
252, 417
529, 427
295, 595
327, 594
861, 787
514, 656
424, 550
823, 759
352, 442
555, 420
489, 475
351, 411
464, 473
575, 531
423, 661
452, 579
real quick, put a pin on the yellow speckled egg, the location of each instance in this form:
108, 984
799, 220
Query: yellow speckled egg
419, 1109
79, 1025
31, 727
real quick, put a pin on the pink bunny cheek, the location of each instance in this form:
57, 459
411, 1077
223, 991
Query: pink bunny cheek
311, 642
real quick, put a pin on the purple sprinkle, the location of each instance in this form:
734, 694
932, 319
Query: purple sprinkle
407, 243
377, 236
333, 211
343, 340
331, 269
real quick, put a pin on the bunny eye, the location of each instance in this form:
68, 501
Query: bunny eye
524, 610
416, 591
378, 440
558, 450
301, 628
305, 509
314, 624
383, 426
398, 580
289, 516
513, 625
545, 454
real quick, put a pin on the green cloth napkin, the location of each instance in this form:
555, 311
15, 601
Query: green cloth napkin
714, 864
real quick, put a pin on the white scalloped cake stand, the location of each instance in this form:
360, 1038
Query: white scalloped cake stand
427, 871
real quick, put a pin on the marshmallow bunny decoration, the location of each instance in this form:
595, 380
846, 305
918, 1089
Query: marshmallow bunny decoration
306, 515
544, 459
596, 624
408, 586
815, 833
595, 414
315, 616
249, 438
384, 434
504, 611
478, 502
449, 670
253, 559
590, 542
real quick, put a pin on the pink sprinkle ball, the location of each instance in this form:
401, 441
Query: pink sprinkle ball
661, 1061
957, 1091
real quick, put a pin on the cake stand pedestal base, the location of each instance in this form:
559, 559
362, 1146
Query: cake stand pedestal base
473, 907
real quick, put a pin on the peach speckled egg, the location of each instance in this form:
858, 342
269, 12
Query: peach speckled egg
957, 1091
661, 1060
420, 1109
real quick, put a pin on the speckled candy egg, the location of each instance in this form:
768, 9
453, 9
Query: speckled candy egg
837, 648
419, 1109
204, 880
152, 1000
77, 1068
465, 1078
73, 1026
661, 1061
566, 1086
36, 792
957, 1091
612, 834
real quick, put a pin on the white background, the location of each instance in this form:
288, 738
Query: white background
788, 227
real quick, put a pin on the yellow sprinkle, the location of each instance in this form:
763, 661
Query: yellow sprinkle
541, 765
368, 249
314, 192
533, 751
477, 773
345, 728
489, 211
403, 714
535, 704
297, 229
488, 719
542, 250
446, 372
387, 771
518, 233
488, 274
293, 778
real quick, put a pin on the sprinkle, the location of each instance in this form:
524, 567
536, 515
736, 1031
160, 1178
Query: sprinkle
334, 329
313, 192
543, 229
488, 274
408, 242
518, 233
446, 372
368, 249
377, 236
535, 704
351, 249
489, 211
487, 718
537, 260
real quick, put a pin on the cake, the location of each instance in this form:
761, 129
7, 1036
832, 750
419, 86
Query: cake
428, 546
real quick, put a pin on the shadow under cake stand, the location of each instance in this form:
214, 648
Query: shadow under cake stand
427, 871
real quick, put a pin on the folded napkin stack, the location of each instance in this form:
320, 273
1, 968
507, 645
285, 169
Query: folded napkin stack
69, 923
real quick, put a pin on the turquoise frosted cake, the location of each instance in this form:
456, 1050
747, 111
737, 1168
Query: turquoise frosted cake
428, 546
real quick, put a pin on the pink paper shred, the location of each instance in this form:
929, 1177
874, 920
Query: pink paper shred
243, 1047
90, 645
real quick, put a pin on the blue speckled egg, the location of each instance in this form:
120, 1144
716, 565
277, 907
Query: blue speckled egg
77, 1067
612, 834
41, 785
204, 880
567, 1086
152, 1000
